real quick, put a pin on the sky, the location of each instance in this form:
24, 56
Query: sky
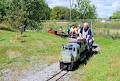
104, 8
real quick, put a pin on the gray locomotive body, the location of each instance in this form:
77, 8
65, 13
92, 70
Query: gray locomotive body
72, 53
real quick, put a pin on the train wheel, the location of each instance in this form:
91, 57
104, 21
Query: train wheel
61, 65
90, 53
85, 62
70, 67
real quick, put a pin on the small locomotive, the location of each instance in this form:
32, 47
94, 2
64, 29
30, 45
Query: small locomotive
72, 53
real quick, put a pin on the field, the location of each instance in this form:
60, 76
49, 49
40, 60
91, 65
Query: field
31, 46
104, 66
18, 51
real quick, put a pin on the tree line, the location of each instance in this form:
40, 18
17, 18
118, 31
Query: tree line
27, 14
116, 15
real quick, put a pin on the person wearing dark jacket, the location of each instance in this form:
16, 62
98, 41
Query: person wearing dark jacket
86, 33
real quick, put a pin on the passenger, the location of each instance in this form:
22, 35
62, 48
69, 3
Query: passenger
72, 31
76, 30
61, 29
68, 29
85, 32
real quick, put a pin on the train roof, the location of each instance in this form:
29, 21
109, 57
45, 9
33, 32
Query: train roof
70, 45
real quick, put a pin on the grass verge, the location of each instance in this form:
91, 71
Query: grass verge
104, 66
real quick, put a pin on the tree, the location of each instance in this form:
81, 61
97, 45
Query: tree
74, 14
26, 14
2, 11
116, 15
86, 9
3, 7
46, 13
60, 13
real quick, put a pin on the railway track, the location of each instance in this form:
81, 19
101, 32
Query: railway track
58, 76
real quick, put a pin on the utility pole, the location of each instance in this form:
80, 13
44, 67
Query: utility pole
70, 9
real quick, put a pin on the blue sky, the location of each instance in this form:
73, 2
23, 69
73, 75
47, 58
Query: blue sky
104, 8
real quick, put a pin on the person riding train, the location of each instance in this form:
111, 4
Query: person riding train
74, 31
85, 32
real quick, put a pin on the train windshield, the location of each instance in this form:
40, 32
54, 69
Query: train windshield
68, 48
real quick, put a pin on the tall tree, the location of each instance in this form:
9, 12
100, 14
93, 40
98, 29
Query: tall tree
2, 11
60, 13
116, 15
27, 13
3, 7
86, 9
74, 14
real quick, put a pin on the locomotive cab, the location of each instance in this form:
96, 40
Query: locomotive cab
71, 54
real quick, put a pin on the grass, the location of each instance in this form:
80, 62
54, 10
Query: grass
108, 32
104, 66
45, 48
36, 45
113, 24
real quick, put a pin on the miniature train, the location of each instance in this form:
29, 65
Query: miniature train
58, 33
72, 53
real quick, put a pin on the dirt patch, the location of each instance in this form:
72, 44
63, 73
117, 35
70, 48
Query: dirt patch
44, 74
13, 54
40, 44
38, 72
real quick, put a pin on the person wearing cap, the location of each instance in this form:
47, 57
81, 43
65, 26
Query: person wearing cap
85, 32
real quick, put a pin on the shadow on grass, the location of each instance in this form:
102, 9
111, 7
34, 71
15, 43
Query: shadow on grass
2, 39
86, 57
7, 29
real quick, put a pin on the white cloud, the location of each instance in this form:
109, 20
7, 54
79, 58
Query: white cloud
105, 8
54, 3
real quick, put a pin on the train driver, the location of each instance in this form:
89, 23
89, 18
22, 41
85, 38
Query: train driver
86, 33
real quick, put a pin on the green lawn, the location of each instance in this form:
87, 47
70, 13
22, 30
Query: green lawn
46, 48
104, 66
31, 45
